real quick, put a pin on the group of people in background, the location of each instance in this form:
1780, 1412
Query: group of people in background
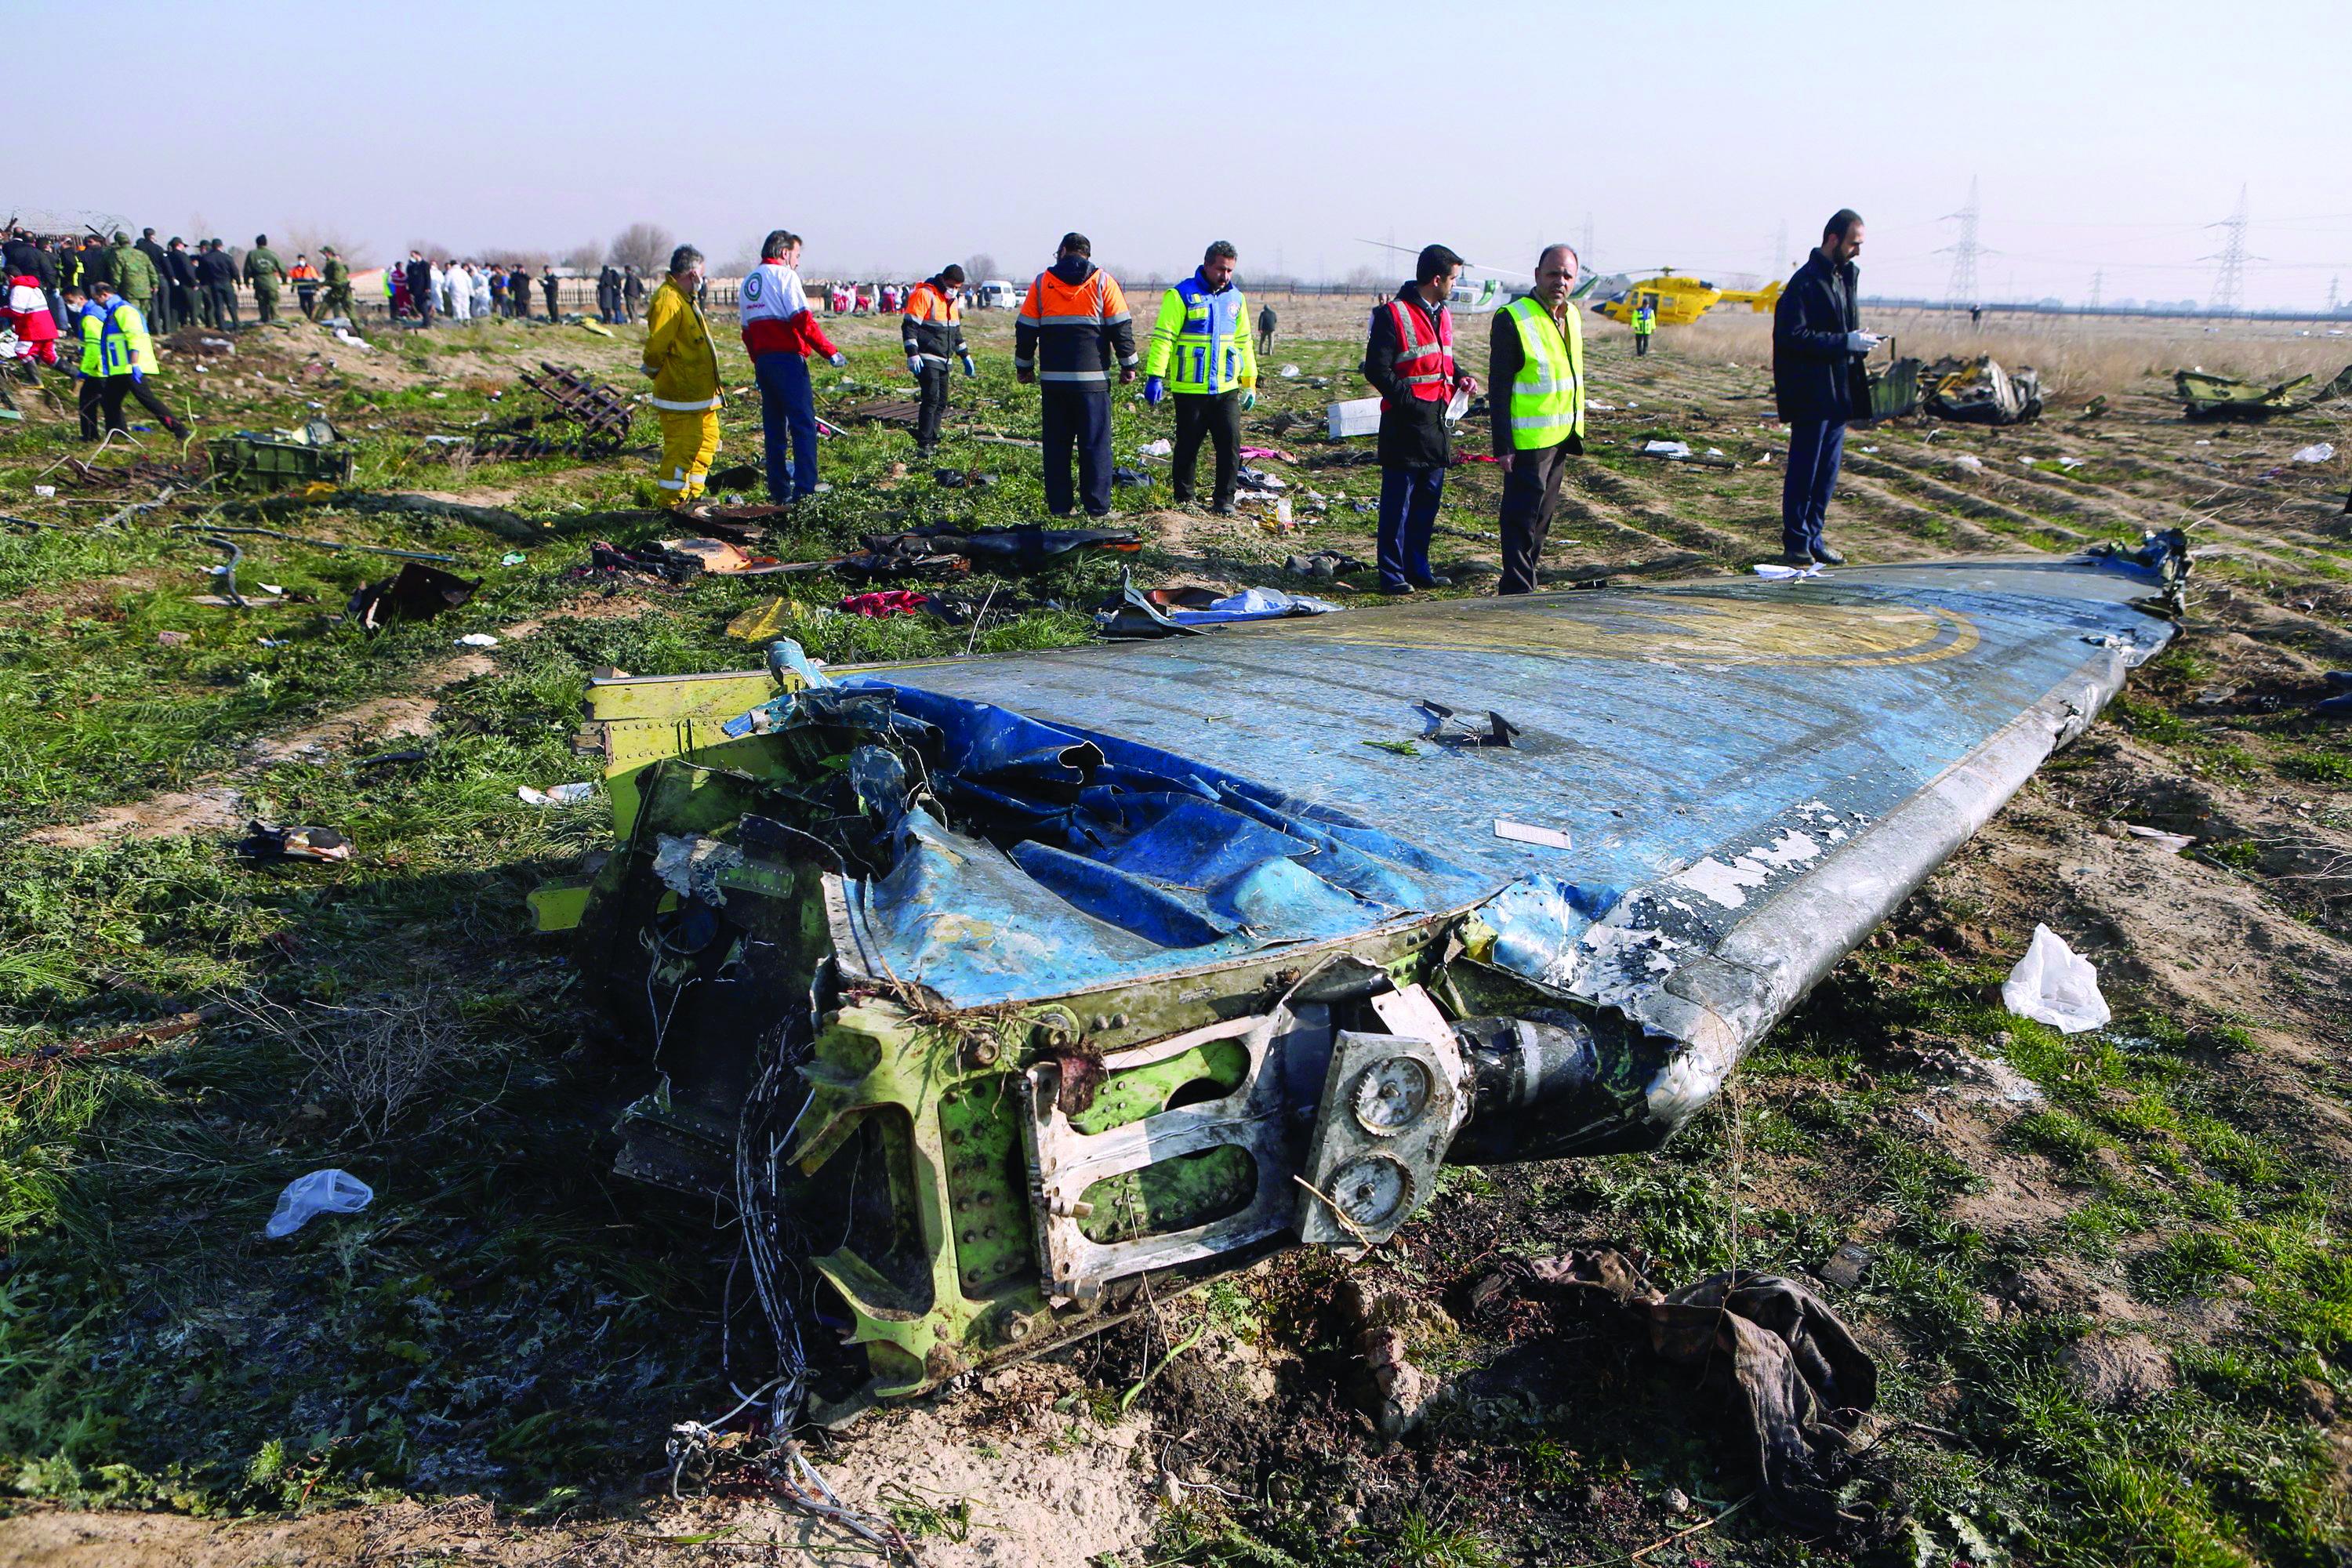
421, 288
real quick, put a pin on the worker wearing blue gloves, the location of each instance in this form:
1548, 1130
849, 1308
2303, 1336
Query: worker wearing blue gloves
1201, 351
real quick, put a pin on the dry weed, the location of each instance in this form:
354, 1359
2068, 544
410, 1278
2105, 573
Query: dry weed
377, 1060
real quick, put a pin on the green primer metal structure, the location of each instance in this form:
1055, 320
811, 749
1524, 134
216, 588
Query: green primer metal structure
1550, 935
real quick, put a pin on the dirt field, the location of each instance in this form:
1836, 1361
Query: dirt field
2105, 1276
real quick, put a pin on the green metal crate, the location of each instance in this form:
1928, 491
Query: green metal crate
249, 463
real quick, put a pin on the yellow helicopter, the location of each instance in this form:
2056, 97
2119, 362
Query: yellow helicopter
1680, 300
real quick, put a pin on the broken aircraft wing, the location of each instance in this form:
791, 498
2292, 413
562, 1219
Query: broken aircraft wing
1021, 978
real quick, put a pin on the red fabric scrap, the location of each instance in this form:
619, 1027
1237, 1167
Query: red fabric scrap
884, 602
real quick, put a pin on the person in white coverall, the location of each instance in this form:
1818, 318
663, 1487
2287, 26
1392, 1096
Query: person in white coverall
481, 275
461, 293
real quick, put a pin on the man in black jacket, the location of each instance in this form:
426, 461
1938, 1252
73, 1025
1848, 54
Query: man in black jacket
179, 272
1415, 444
1817, 377
547, 286
420, 286
219, 274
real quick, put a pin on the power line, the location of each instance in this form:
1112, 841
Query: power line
2097, 279
1584, 250
1777, 261
2229, 282
1963, 288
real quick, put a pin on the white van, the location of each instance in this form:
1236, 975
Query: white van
996, 294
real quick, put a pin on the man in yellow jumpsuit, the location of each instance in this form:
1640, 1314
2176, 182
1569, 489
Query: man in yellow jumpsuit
684, 364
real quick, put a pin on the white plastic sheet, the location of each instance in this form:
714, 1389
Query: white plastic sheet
2055, 984
322, 1192
2317, 452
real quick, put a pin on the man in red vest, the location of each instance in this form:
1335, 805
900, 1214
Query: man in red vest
1409, 361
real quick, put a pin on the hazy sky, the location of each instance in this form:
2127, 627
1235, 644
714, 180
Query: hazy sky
907, 135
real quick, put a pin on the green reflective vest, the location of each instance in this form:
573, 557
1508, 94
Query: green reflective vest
1548, 395
125, 331
93, 322
1645, 321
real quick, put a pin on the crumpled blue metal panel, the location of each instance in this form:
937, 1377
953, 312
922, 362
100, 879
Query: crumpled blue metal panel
1700, 745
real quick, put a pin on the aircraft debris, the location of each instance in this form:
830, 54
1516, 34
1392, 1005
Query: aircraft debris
1028, 980
1978, 391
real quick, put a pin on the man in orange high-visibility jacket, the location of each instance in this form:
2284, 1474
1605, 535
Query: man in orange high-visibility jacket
932, 329
1072, 323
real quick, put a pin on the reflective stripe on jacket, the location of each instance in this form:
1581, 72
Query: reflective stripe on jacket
932, 327
1071, 332
1547, 393
1424, 359
123, 335
93, 324
1200, 342
680, 354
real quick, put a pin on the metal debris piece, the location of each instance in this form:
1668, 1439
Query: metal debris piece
602, 413
1978, 391
993, 991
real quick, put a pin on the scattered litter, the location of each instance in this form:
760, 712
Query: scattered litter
2069, 464
415, 593
1669, 449
1134, 612
1871, 450
2170, 843
322, 1192
171, 639
1788, 1367
1161, 449
1288, 372
717, 556
45, 491
478, 639
2317, 452
1259, 479
1528, 833
1774, 571
273, 589
884, 602
1600, 408
1968, 463
1845, 1266
962, 479
513, 558
560, 795
2055, 985
264, 843
763, 622
271, 642
1356, 416
1324, 564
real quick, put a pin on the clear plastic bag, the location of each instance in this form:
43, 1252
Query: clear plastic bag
2055, 984
321, 1192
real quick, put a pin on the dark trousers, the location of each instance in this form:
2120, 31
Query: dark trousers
548, 289
264, 304
1219, 418
930, 405
1530, 496
308, 298
787, 412
1409, 499
1077, 417
1265, 340
1641, 344
224, 303
157, 308
118, 387
1815, 449
89, 402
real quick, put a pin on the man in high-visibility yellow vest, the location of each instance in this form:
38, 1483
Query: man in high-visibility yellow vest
126, 357
1201, 351
1534, 380
1646, 323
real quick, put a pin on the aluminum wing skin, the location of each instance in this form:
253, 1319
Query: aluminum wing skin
1729, 784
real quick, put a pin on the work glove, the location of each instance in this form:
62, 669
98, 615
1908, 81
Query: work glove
838, 360
650, 371
969, 369
1154, 389
1249, 398
1860, 342
914, 365
137, 375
